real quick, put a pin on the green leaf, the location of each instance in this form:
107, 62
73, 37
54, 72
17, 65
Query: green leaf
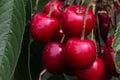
28, 7
22, 71
12, 25
116, 43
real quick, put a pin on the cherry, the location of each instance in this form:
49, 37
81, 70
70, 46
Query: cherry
44, 28
80, 54
116, 8
95, 72
104, 29
57, 10
104, 24
108, 59
52, 57
109, 41
72, 21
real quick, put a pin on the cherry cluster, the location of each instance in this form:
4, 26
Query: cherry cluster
64, 30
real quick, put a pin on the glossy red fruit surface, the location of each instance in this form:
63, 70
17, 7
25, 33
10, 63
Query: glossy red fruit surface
108, 59
104, 24
52, 57
104, 29
43, 28
72, 21
109, 41
103, 17
80, 54
57, 10
95, 72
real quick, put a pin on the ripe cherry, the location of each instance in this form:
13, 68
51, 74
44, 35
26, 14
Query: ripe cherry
44, 28
80, 54
57, 10
104, 24
95, 72
109, 41
104, 29
52, 57
108, 59
72, 21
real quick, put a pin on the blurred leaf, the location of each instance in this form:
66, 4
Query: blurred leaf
22, 71
116, 43
69, 77
115, 78
12, 26
56, 77
46, 76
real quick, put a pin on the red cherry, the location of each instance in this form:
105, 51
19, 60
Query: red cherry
43, 28
52, 57
109, 41
95, 72
116, 8
72, 21
58, 8
104, 24
80, 54
108, 59
104, 29
103, 17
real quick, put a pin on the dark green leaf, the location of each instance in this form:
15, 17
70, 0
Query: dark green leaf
22, 71
116, 43
12, 25
28, 10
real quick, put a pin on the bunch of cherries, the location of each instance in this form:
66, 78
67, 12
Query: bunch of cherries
63, 30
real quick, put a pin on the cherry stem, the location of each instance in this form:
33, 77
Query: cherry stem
66, 3
118, 2
93, 9
63, 37
98, 36
79, 4
113, 18
36, 5
71, 3
84, 23
51, 8
29, 44
42, 73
